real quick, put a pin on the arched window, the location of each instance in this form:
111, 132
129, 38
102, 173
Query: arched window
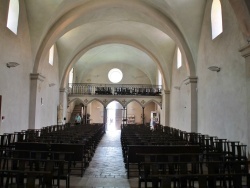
13, 15
51, 55
159, 78
216, 18
71, 75
179, 58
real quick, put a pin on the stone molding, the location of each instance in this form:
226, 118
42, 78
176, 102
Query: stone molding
166, 92
124, 101
191, 79
37, 76
65, 90
245, 51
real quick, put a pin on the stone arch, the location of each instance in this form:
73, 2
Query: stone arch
156, 102
112, 100
120, 41
76, 99
242, 12
95, 99
68, 19
134, 100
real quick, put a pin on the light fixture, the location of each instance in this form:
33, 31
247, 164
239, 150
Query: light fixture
52, 84
12, 64
214, 68
179, 87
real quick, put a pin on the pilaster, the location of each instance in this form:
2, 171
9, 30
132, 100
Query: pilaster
165, 116
245, 52
192, 81
63, 102
35, 100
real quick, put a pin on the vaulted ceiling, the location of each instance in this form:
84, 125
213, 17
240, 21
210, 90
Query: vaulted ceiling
139, 33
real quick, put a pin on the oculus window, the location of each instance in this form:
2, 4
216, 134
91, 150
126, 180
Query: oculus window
115, 75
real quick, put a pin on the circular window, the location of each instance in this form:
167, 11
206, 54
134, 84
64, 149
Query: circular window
115, 75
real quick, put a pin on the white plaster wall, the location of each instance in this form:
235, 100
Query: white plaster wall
131, 75
180, 101
148, 109
14, 82
70, 109
134, 108
49, 92
222, 107
96, 113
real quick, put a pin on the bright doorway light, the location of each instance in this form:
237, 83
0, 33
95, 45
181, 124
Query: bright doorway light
114, 116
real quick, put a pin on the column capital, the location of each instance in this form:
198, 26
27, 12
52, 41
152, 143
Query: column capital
37, 76
245, 51
65, 90
191, 79
166, 91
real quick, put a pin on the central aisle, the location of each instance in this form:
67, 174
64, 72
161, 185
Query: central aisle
106, 168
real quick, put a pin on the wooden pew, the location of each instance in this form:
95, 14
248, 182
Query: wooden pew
133, 159
211, 174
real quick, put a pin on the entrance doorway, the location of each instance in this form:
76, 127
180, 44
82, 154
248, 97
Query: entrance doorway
114, 116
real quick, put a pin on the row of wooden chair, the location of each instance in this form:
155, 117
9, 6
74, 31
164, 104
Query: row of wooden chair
74, 151
139, 135
21, 171
215, 158
190, 173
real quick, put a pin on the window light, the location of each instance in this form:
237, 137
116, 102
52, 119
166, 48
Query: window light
13, 15
216, 18
71, 74
179, 58
51, 55
159, 78
115, 75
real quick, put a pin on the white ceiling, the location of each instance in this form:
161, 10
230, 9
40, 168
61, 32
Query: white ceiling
134, 32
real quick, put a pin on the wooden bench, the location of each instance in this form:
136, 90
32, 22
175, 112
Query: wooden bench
133, 159
79, 159
181, 174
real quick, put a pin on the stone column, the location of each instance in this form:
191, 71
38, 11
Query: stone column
245, 52
192, 81
63, 101
36, 101
124, 116
105, 117
143, 115
86, 110
165, 116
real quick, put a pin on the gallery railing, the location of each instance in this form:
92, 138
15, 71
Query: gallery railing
114, 89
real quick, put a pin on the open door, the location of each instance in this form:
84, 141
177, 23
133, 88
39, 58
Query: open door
155, 118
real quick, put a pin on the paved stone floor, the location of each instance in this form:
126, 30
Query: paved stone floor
106, 169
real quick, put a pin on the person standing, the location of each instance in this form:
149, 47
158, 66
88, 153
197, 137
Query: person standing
78, 119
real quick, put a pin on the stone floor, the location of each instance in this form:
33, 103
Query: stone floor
106, 169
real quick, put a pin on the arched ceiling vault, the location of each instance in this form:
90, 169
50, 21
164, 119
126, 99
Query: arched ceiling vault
113, 43
156, 27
